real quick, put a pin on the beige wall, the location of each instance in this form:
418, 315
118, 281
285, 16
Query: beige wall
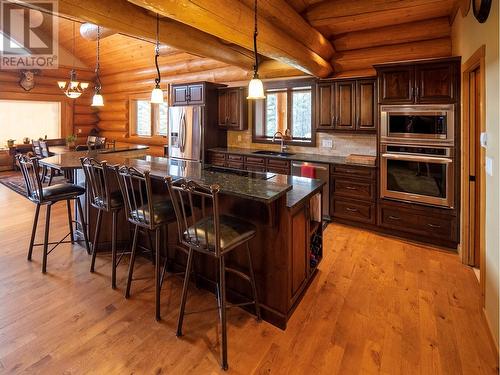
467, 36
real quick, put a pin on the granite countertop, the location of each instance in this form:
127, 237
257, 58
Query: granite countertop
263, 190
314, 158
303, 188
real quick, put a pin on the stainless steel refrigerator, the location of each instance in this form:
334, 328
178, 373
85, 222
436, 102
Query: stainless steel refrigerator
186, 133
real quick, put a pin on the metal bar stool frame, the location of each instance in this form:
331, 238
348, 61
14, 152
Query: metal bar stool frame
35, 192
182, 193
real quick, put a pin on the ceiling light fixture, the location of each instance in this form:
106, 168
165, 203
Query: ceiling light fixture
73, 89
157, 93
255, 87
97, 99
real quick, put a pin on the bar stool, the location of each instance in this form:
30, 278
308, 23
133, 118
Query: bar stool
148, 213
48, 196
214, 235
98, 177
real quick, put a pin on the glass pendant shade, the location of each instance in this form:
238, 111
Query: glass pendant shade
61, 84
97, 100
157, 95
84, 85
256, 89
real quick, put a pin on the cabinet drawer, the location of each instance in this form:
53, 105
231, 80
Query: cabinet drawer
354, 188
235, 164
277, 163
232, 157
218, 162
354, 171
354, 210
217, 155
255, 160
255, 168
285, 171
403, 220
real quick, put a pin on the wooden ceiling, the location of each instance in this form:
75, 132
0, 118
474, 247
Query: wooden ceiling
336, 37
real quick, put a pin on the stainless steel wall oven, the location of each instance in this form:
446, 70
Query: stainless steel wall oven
417, 173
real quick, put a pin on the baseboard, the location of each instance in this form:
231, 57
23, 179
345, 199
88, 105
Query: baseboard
493, 343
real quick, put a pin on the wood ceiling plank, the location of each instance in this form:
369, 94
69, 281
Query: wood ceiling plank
129, 19
395, 34
231, 20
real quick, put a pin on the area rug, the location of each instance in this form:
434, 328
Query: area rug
15, 183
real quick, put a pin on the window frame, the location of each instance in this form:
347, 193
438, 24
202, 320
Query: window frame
259, 111
154, 123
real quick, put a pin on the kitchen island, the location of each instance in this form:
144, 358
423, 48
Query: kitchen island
285, 210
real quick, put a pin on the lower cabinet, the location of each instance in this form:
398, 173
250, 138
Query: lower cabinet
353, 191
249, 163
354, 210
427, 224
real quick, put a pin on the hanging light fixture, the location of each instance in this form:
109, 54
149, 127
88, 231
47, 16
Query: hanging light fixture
97, 100
157, 93
73, 89
255, 87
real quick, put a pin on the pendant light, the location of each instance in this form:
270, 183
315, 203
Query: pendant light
73, 89
157, 93
97, 100
255, 87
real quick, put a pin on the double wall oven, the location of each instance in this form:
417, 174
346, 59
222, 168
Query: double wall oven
417, 154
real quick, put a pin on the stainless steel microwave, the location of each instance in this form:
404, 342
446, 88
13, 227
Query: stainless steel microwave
421, 124
420, 174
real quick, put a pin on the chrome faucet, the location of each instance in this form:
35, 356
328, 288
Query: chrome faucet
283, 146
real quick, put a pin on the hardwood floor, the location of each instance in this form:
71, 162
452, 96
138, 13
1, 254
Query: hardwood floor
378, 305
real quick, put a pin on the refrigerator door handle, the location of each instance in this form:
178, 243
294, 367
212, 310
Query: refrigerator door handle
183, 137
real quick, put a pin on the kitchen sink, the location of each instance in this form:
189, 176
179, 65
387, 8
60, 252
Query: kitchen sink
272, 153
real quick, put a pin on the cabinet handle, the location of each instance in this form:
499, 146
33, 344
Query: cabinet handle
351, 188
351, 209
333, 120
394, 217
417, 95
434, 225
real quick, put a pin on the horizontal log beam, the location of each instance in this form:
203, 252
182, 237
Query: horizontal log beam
367, 57
128, 19
281, 14
115, 126
339, 16
397, 34
233, 21
106, 115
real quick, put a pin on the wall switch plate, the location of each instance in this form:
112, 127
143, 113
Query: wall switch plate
489, 166
327, 143
239, 138
483, 139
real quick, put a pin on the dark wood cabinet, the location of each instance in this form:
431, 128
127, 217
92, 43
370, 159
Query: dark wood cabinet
249, 163
422, 82
435, 83
396, 84
345, 96
299, 242
325, 104
366, 105
187, 94
347, 105
232, 105
427, 224
353, 191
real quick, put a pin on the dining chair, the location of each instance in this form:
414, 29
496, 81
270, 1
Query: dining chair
149, 213
98, 177
48, 196
204, 230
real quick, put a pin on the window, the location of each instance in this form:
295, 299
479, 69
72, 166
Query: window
286, 109
147, 119
31, 119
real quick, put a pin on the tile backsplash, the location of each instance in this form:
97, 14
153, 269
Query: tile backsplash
343, 144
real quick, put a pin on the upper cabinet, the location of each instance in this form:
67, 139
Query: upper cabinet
187, 94
347, 105
232, 108
421, 82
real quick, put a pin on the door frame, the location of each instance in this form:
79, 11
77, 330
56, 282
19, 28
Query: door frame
477, 60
